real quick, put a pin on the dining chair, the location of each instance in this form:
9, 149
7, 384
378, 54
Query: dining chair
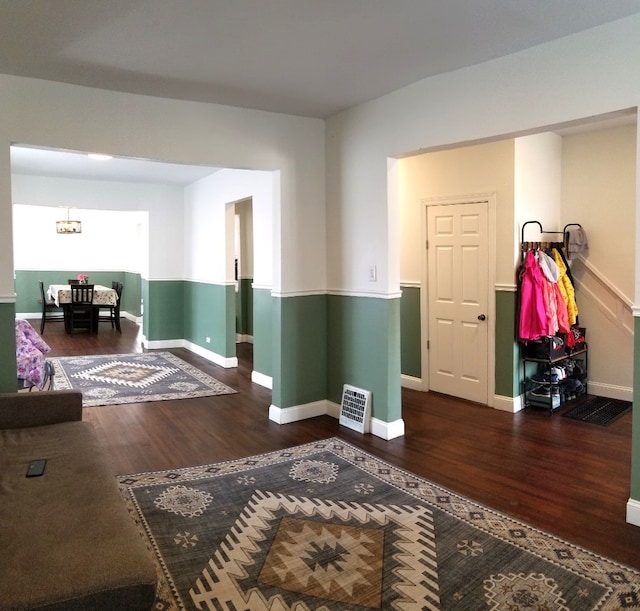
81, 309
50, 311
111, 314
73, 281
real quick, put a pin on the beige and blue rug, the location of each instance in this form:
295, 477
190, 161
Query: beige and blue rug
133, 378
328, 527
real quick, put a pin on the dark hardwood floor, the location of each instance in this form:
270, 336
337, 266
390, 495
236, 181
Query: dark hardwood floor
566, 477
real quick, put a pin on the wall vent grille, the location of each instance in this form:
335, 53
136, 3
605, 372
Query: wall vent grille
355, 409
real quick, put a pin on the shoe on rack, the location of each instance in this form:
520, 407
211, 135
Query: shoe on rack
545, 378
541, 392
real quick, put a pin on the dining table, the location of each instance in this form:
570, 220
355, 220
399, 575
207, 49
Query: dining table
102, 296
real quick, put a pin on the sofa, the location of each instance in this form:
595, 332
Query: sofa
67, 539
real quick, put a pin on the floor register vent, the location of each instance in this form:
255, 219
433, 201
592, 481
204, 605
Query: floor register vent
355, 409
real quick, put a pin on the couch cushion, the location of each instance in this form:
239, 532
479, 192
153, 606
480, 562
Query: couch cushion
67, 539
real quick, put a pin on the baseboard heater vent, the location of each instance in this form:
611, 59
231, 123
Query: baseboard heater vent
355, 409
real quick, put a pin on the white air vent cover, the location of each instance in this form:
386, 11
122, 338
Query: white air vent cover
355, 410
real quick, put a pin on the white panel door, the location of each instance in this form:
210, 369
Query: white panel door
458, 287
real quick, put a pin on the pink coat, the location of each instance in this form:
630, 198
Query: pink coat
533, 316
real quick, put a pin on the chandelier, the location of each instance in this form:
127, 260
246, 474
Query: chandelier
68, 226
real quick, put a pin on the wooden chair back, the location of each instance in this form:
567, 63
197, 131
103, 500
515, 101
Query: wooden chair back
82, 294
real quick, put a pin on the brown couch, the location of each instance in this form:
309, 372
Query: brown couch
67, 540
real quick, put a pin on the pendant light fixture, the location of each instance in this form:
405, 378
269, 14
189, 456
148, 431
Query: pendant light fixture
68, 226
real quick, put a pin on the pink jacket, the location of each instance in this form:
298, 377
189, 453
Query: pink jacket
533, 315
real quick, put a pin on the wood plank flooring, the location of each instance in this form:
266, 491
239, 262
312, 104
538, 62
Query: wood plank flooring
566, 477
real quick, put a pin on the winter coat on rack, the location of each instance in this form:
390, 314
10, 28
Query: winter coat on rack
566, 288
557, 313
533, 316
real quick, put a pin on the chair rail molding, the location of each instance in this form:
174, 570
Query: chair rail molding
611, 301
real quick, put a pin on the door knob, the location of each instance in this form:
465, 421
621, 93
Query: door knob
482, 317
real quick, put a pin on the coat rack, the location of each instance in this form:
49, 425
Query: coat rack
526, 245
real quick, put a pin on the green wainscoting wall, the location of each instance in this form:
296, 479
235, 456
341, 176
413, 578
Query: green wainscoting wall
131, 294
28, 291
194, 311
244, 307
262, 331
410, 332
635, 414
8, 373
364, 351
507, 380
163, 309
299, 350
209, 311
323, 341
507, 353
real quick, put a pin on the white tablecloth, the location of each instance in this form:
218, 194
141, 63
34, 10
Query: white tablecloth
102, 295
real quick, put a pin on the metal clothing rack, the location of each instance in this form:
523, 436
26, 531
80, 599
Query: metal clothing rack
524, 246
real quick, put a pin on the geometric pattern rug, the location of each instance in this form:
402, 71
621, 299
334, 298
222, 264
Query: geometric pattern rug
326, 526
133, 378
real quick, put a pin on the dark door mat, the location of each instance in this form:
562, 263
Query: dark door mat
598, 410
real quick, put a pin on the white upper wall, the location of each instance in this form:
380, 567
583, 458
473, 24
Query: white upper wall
109, 240
598, 191
468, 170
209, 225
244, 247
538, 186
584, 75
57, 115
164, 205
591, 73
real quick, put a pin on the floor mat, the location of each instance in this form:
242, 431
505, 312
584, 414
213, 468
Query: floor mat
599, 410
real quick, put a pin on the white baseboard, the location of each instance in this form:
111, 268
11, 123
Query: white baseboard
384, 430
508, 404
38, 315
387, 430
298, 412
411, 382
131, 317
505, 404
333, 410
261, 379
29, 315
610, 391
226, 362
633, 512
161, 343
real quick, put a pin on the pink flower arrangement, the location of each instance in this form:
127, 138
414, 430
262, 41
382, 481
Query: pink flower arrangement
83, 278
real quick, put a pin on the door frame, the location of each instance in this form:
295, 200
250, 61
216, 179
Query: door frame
448, 200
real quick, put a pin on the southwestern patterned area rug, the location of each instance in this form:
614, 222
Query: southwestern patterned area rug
133, 378
325, 526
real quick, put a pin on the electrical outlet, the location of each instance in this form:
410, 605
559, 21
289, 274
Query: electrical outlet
208, 340
373, 273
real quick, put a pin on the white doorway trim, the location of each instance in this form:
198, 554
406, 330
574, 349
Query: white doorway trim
490, 199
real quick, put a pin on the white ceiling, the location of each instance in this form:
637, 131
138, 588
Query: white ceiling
304, 57
68, 164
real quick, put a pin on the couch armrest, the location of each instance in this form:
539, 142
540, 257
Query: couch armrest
26, 409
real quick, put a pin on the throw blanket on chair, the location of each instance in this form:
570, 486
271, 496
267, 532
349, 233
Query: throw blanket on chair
30, 351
